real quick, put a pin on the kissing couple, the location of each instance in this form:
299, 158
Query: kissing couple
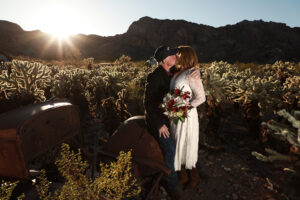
177, 70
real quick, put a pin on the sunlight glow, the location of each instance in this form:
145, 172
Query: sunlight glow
61, 35
58, 29
59, 20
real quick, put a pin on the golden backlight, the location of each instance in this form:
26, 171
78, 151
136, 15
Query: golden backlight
60, 21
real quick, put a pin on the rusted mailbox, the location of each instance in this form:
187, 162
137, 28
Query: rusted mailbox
32, 130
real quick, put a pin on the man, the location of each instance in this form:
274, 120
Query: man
157, 85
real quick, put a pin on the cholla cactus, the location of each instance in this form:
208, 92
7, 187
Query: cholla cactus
114, 111
68, 83
95, 91
116, 81
3, 66
71, 84
266, 91
122, 60
23, 78
104, 83
88, 62
216, 82
285, 133
136, 87
267, 86
281, 69
291, 91
151, 62
115, 180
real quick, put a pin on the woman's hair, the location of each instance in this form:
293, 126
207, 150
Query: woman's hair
187, 58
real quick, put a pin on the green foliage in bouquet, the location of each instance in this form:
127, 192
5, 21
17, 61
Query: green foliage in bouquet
285, 133
115, 180
23, 79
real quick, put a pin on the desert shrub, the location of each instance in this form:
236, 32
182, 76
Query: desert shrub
7, 189
115, 180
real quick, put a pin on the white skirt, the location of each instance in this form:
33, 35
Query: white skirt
186, 137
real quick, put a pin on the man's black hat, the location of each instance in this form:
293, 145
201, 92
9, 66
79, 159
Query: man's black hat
164, 51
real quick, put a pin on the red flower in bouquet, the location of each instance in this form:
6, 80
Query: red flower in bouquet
186, 95
176, 104
177, 91
171, 103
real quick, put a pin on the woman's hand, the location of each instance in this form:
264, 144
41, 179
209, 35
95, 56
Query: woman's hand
194, 73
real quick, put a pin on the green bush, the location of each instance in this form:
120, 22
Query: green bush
115, 180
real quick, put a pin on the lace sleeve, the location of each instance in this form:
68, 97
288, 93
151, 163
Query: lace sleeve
197, 90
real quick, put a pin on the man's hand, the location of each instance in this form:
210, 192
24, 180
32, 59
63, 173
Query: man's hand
164, 131
194, 73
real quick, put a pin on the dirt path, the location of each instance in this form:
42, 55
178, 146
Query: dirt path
230, 177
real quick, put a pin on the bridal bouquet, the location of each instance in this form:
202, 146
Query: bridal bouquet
176, 104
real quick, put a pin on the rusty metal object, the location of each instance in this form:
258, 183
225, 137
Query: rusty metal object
146, 153
31, 130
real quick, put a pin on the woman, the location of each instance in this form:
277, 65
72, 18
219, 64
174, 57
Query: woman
186, 134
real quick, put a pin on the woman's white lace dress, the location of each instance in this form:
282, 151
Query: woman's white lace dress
186, 134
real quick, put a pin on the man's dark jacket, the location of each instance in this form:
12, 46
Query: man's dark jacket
157, 85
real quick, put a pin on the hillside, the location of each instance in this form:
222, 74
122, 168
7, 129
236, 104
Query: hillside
246, 41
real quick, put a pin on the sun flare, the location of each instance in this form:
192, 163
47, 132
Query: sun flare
61, 35
59, 30
60, 21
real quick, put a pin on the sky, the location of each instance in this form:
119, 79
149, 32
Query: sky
111, 17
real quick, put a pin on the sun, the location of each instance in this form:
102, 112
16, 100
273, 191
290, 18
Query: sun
59, 30
59, 21
60, 34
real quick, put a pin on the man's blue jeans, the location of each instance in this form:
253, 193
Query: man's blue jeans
168, 147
